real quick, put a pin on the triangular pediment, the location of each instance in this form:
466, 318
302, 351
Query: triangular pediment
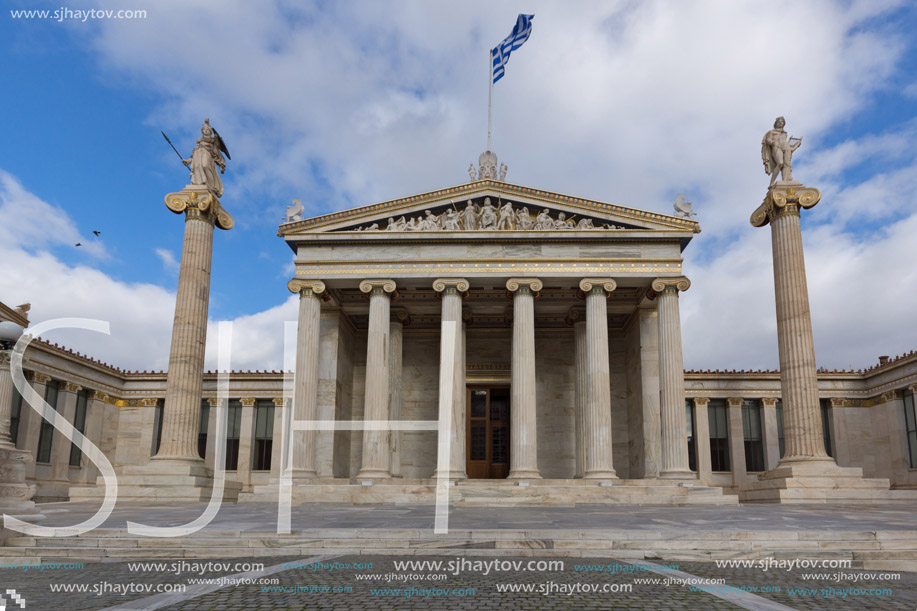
482, 206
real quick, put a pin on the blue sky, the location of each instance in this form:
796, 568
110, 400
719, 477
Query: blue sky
345, 104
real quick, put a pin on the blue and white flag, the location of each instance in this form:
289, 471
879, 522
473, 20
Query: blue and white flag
500, 54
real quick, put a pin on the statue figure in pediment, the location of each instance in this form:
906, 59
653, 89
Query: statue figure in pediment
585, 223
544, 220
503, 170
412, 225
524, 220
562, 222
470, 216
398, 225
505, 222
430, 222
488, 215
472, 174
451, 220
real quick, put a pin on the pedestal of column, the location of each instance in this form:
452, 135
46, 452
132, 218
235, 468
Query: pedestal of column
523, 453
672, 380
15, 493
305, 385
376, 454
453, 291
598, 454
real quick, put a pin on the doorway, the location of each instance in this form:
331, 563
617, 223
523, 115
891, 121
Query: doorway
487, 432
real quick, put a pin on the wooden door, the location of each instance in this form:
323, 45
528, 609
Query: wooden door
487, 438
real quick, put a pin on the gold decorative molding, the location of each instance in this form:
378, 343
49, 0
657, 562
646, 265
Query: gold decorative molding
98, 395
70, 387
214, 402
489, 266
768, 401
701, 401
734, 401
148, 402
38, 377
279, 401
248, 401
888, 395
837, 401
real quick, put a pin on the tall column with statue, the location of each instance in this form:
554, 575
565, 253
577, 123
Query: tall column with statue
805, 474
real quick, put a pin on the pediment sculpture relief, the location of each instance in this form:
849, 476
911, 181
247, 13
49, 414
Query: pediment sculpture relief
488, 217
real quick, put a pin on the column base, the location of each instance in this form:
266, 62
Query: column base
15, 493
820, 481
600, 474
373, 474
678, 474
524, 474
454, 475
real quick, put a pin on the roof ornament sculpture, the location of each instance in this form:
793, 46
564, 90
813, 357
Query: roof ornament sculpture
682, 207
777, 152
294, 212
488, 168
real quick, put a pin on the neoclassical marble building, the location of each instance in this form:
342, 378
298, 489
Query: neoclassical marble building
545, 327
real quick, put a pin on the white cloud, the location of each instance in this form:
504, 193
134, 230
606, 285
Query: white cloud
169, 261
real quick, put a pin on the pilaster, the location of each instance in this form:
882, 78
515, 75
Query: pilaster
736, 440
702, 439
60, 451
771, 433
246, 439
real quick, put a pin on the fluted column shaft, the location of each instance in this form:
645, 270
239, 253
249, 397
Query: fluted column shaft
6, 399
376, 453
599, 461
672, 380
523, 426
181, 411
577, 319
801, 415
452, 290
305, 388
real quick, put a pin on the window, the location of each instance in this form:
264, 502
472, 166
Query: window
79, 423
264, 435
754, 440
689, 420
826, 424
719, 435
233, 428
15, 416
157, 428
46, 433
202, 428
781, 440
910, 420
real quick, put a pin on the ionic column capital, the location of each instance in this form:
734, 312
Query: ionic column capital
784, 200
39, 377
575, 314
199, 205
674, 285
532, 285
445, 285
306, 288
606, 285
401, 315
379, 287
70, 387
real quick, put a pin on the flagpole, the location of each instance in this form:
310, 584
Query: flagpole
490, 94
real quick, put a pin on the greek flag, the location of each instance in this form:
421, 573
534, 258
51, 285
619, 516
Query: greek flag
500, 54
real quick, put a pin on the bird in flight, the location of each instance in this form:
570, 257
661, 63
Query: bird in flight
78, 244
96, 233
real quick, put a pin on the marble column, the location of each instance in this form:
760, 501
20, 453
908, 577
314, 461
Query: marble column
523, 426
577, 318
599, 458
60, 451
396, 351
181, 411
305, 387
453, 291
702, 439
672, 380
798, 381
14, 491
376, 455
736, 441
771, 434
